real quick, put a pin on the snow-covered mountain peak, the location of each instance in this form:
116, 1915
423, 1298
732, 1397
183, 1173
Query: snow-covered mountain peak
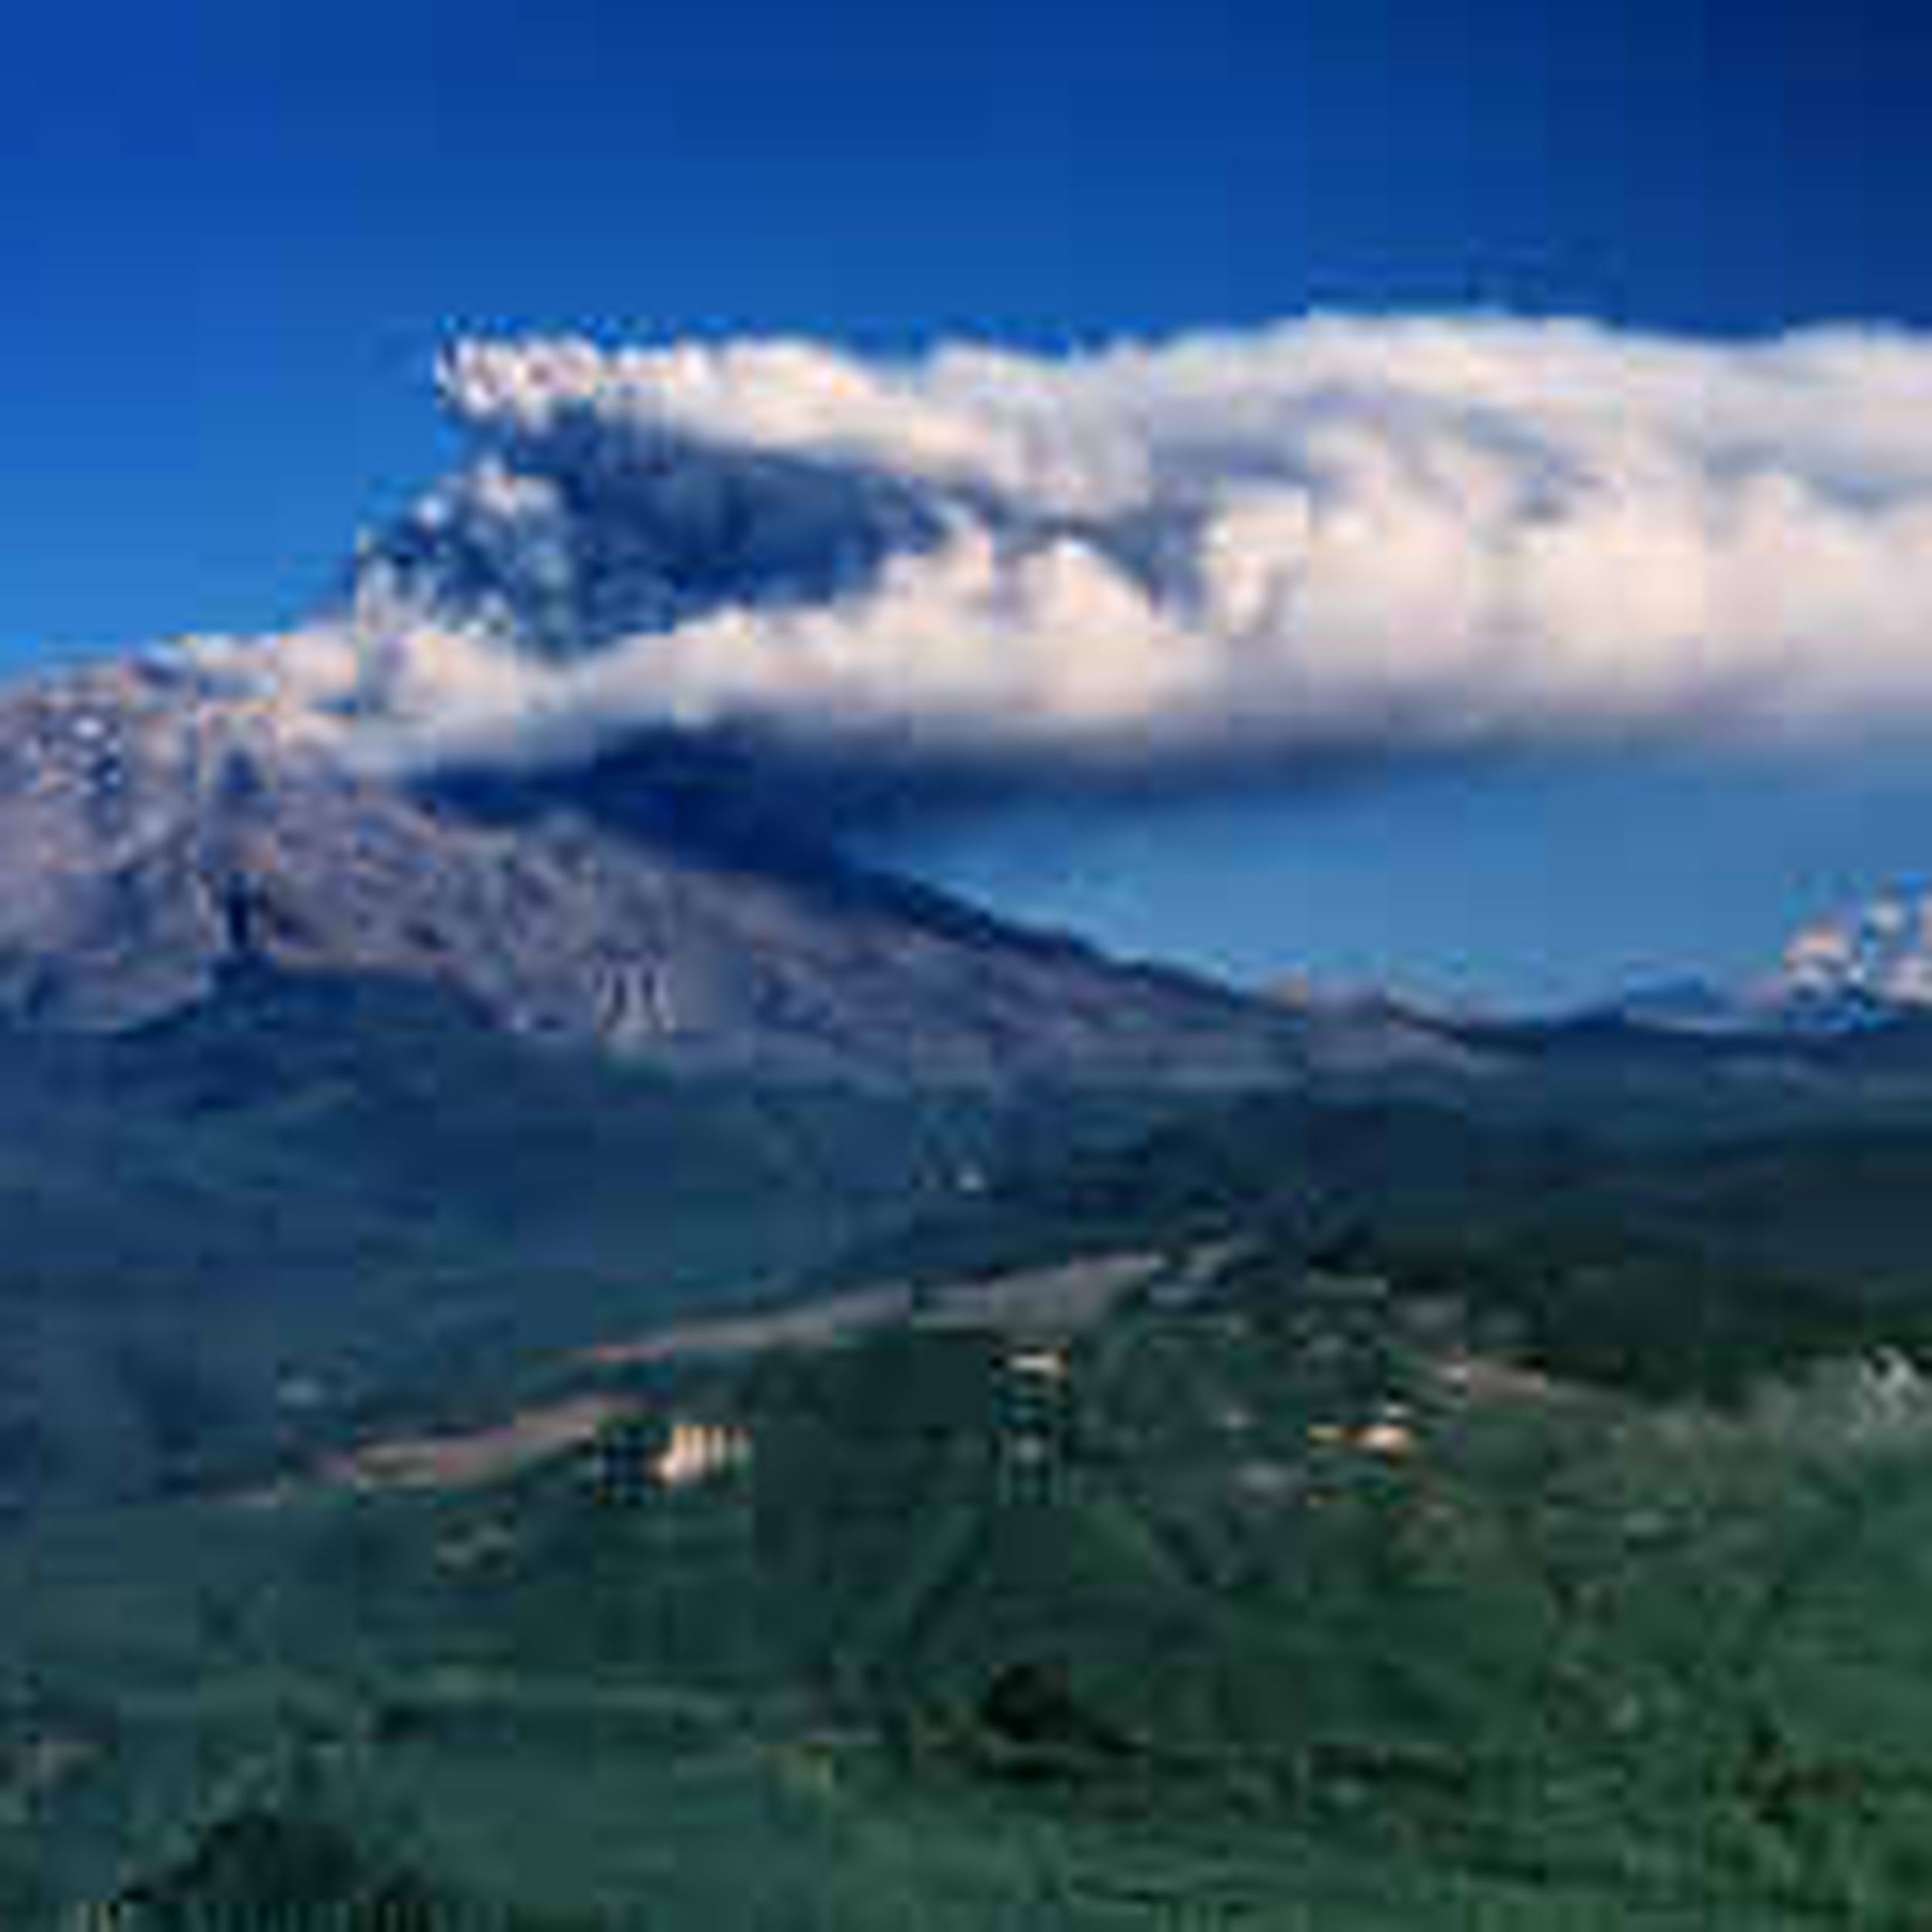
1880, 952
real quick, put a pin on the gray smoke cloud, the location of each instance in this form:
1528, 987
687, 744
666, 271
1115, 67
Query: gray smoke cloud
1148, 565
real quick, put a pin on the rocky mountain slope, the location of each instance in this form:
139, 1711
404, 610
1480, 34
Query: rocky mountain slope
154, 833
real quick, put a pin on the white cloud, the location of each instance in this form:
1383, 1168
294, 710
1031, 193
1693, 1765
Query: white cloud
1382, 535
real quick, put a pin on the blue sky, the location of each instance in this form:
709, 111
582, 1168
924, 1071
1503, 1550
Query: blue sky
237, 236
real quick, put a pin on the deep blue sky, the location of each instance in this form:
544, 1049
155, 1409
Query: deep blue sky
234, 236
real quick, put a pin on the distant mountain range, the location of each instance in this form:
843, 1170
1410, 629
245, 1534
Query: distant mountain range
1869, 966
1879, 953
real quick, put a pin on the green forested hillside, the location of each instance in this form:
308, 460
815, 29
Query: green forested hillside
1840, 1203
365, 1191
1284, 1595
1289, 1514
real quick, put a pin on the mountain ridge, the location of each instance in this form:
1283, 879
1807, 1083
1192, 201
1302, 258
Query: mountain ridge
155, 831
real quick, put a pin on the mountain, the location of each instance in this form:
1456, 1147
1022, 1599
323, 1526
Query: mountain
1279, 1510
1875, 959
316, 1075
156, 833
1686, 1005
310, 1074
1367, 1032
1868, 967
